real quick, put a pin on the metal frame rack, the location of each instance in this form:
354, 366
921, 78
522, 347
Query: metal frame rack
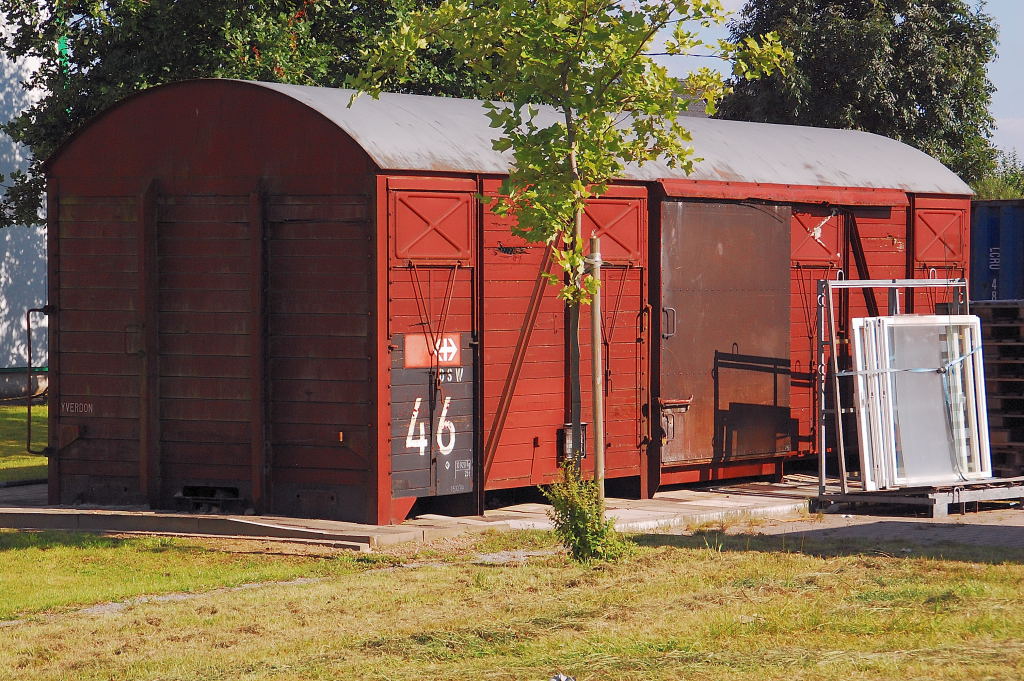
935, 498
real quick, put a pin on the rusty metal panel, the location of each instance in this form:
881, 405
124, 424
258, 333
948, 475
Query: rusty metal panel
724, 331
432, 417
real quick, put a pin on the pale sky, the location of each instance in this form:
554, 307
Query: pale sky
1006, 72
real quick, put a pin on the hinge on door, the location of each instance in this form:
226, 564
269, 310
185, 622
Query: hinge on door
645, 313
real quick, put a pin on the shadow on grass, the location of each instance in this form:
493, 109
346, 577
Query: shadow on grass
884, 538
21, 540
35, 473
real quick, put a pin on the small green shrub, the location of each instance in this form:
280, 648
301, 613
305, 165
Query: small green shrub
577, 512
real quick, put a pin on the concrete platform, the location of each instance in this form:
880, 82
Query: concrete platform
25, 508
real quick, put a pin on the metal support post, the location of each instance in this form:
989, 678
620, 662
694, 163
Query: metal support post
819, 376
837, 393
597, 375
894, 301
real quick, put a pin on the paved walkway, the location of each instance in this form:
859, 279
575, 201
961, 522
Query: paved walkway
773, 508
998, 527
24, 508
685, 507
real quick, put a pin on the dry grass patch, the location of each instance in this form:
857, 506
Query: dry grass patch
702, 607
47, 571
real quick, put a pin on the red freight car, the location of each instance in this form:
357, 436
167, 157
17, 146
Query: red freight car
247, 280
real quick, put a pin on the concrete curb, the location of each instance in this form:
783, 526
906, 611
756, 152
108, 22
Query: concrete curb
21, 483
666, 513
112, 521
103, 521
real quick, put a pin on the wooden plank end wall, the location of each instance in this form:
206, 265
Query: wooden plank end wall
97, 347
320, 273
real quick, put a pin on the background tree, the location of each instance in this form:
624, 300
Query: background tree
913, 70
117, 48
1005, 181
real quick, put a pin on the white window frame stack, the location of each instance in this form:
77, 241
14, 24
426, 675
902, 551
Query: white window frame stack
876, 398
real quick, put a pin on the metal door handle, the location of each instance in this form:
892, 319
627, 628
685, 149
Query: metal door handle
671, 322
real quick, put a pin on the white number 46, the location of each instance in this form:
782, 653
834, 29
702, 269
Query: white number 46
414, 440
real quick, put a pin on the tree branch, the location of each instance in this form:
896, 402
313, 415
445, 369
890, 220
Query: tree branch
685, 54
639, 49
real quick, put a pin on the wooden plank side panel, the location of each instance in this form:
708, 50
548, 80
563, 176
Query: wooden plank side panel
311, 347
527, 452
103, 210
350, 282
941, 245
623, 370
429, 424
510, 270
323, 457
817, 243
99, 280
889, 251
418, 295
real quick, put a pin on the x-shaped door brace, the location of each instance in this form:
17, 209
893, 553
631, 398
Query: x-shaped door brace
939, 233
604, 230
433, 225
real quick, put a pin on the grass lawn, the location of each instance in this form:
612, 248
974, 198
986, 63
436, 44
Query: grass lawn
706, 606
15, 463
44, 571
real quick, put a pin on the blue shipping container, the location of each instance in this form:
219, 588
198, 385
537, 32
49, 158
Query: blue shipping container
997, 250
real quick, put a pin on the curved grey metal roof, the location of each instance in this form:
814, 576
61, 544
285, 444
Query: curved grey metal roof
415, 132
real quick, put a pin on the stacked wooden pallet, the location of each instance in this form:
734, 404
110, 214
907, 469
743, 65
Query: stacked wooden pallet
1002, 330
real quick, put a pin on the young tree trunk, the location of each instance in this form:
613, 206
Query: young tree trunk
575, 390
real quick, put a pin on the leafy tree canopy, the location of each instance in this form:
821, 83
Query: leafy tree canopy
113, 49
592, 62
913, 70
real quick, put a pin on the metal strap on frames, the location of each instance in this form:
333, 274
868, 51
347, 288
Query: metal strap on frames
940, 370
